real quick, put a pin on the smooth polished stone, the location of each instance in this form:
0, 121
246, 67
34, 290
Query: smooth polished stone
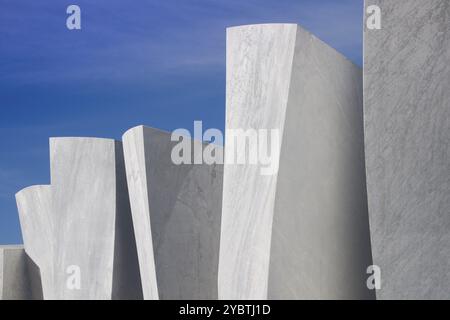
303, 232
36, 222
176, 215
19, 276
93, 233
407, 139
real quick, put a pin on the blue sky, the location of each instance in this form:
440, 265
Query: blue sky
160, 63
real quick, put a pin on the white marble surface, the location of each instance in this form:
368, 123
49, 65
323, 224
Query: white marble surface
176, 214
259, 63
320, 235
36, 222
91, 210
133, 145
302, 233
407, 138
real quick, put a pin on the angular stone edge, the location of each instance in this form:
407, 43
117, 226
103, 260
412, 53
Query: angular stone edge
133, 146
253, 218
87, 178
246, 214
320, 245
176, 211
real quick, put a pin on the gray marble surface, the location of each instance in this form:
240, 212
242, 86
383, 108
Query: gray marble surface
36, 222
176, 215
303, 232
92, 220
19, 276
407, 139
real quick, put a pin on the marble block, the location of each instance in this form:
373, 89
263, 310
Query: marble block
303, 232
93, 238
36, 221
19, 276
176, 215
407, 146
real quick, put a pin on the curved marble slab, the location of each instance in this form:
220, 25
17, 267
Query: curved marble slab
36, 222
176, 215
19, 276
303, 232
407, 138
93, 230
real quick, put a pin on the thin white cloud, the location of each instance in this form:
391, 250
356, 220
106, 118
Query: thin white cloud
192, 36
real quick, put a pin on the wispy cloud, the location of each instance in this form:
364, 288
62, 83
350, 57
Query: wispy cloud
123, 40
123, 68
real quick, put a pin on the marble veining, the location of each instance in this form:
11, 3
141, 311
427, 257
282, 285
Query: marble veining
320, 240
303, 232
407, 146
259, 63
176, 215
92, 220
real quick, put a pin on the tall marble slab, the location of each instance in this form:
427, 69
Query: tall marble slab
302, 232
19, 276
176, 216
36, 222
93, 240
407, 140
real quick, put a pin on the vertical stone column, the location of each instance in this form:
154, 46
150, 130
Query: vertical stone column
93, 233
176, 216
301, 232
36, 221
407, 140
